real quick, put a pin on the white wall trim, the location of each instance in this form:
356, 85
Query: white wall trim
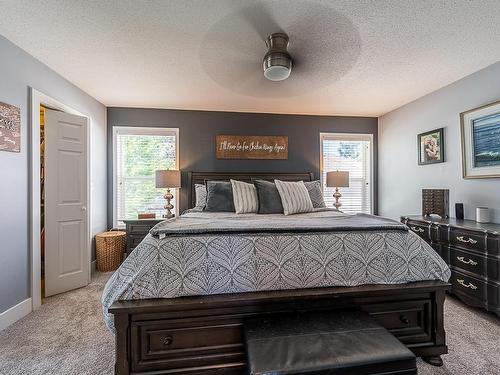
15, 313
38, 98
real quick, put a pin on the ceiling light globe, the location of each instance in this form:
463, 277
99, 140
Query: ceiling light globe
277, 73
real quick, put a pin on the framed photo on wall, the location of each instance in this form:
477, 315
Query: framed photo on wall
480, 128
431, 147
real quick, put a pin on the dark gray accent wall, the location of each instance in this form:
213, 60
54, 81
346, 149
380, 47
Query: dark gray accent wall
197, 131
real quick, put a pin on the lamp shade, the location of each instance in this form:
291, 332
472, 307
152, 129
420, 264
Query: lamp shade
168, 179
337, 179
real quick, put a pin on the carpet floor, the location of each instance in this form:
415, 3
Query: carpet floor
67, 336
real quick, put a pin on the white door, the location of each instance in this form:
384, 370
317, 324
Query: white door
67, 256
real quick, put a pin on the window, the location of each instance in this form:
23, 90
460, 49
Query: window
352, 153
137, 154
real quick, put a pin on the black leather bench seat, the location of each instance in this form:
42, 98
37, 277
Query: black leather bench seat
344, 342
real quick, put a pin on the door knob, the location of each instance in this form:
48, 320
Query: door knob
84, 208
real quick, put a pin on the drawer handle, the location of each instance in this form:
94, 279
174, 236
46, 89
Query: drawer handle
404, 319
470, 285
469, 261
466, 240
417, 229
167, 341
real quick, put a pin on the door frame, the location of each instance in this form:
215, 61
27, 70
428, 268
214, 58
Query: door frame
38, 98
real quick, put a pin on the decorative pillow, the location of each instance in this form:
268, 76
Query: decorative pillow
294, 197
244, 197
269, 198
315, 193
219, 196
200, 192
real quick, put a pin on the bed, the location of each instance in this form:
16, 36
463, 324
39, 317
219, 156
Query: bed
178, 302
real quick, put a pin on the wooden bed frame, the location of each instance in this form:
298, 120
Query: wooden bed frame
204, 335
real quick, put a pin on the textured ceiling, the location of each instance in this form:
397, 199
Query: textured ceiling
360, 57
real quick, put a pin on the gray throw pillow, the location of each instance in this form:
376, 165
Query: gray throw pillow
269, 198
315, 193
219, 196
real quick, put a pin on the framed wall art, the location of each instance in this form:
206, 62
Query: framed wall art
10, 128
480, 130
431, 147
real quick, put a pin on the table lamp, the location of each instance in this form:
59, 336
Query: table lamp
337, 179
169, 179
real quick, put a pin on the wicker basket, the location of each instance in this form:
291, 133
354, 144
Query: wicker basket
110, 247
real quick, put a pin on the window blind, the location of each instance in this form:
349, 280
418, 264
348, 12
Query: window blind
352, 153
139, 152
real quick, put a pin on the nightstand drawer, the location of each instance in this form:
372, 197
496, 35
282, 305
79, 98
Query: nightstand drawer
137, 230
134, 240
471, 262
140, 228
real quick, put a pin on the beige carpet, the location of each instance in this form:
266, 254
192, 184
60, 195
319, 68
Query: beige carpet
67, 336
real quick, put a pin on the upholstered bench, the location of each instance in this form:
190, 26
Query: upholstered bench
345, 342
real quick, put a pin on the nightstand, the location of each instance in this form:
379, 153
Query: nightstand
136, 231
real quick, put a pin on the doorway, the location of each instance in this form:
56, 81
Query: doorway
60, 197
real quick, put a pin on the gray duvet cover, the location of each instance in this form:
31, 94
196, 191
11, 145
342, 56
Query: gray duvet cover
336, 250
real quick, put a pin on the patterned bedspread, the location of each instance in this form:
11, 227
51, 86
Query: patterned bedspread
216, 263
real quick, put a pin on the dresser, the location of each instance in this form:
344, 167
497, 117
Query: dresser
472, 250
136, 231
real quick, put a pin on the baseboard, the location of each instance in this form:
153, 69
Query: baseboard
15, 313
93, 267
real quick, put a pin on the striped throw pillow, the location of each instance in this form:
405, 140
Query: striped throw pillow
244, 197
200, 191
294, 197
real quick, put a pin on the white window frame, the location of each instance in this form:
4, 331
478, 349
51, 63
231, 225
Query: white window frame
354, 137
138, 130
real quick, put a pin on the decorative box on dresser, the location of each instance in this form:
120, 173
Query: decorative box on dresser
138, 229
472, 250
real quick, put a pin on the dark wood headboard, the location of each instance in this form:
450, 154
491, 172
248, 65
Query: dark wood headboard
200, 177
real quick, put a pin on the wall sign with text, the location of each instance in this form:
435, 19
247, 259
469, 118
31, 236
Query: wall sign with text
251, 147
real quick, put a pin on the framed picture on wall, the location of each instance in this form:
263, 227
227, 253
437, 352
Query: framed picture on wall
10, 128
431, 147
480, 128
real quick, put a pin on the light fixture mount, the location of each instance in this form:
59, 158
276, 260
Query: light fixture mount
277, 62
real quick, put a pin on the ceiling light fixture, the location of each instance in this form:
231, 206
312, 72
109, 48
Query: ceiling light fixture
277, 62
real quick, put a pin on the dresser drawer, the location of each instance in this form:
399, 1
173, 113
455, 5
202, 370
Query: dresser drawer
468, 261
171, 348
468, 285
420, 229
467, 240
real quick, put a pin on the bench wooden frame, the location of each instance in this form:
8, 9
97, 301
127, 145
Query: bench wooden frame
204, 334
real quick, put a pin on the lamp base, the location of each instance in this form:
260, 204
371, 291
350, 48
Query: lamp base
337, 196
168, 207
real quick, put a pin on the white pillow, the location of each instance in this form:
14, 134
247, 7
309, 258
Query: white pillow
294, 197
200, 192
244, 197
